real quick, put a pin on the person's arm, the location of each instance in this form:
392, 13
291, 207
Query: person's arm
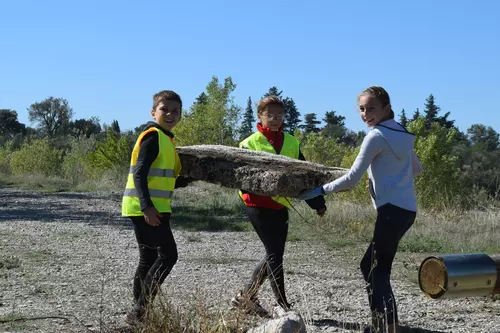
416, 166
148, 152
371, 147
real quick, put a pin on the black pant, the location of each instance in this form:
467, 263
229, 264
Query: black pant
391, 225
157, 256
272, 227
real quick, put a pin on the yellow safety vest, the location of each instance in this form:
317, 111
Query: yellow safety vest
258, 141
161, 177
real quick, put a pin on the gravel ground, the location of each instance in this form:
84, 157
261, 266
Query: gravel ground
67, 260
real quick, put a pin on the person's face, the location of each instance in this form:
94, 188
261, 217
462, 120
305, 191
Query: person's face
272, 116
371, 110
167, 114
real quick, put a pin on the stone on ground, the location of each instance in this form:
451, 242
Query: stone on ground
291, 322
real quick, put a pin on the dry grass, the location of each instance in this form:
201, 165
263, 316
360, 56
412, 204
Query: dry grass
194, 317
450, 231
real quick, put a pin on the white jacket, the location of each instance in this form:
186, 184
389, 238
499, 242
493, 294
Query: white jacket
387, 153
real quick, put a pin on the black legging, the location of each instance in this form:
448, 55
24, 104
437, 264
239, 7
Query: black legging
157, 256
391, 225
272, 227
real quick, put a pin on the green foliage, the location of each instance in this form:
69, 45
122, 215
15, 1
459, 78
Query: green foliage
53, 116
318, 148
9, 124
113, 153
5, 153
75, 166
211, 122
36, 157
310, 123
248, 120
439, 185
485, 138
431, 114
403, 120
274, 91
86, 127
292, 115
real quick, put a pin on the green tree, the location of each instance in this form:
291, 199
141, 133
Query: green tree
292, 115
214, 122
274, 91
481, 136
439, 185
416, 115
115, 127
335, 125
113, 153
318, 148
53, 116
9, 124
445, 122
138, 130
310, 123
85, 127
431, 111
248, 120
402, 118
331, 118
201, 99
36, 157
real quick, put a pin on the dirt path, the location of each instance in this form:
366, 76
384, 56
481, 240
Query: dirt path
71, 255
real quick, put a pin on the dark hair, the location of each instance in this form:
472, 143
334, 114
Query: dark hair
380, 94
269, 100
167, 95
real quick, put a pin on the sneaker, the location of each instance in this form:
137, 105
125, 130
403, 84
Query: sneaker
249, 305
135, 316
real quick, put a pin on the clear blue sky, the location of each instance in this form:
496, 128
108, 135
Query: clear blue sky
108, 57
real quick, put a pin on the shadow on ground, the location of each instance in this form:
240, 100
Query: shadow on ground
360, 327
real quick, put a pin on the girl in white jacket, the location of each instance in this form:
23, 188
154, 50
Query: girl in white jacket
387, 154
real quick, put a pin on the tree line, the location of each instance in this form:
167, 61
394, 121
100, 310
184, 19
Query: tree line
457, 163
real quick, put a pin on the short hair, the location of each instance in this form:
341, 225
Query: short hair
168, 95
269, 100
381, 95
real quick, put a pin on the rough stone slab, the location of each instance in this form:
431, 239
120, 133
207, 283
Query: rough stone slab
292, 322
254, 171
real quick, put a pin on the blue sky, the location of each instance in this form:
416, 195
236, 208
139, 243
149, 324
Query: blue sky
109, 57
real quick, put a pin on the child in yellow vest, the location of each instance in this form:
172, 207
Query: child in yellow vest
269, 215
154, 167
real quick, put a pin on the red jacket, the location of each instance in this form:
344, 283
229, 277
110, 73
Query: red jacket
276, 139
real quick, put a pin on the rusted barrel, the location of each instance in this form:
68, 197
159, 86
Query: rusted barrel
460, 275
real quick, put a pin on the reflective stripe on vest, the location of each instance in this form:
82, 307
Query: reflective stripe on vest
156, 172
161, 176
290, 148
132, 192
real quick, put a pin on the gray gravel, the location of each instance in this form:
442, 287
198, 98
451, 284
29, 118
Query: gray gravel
72, 255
